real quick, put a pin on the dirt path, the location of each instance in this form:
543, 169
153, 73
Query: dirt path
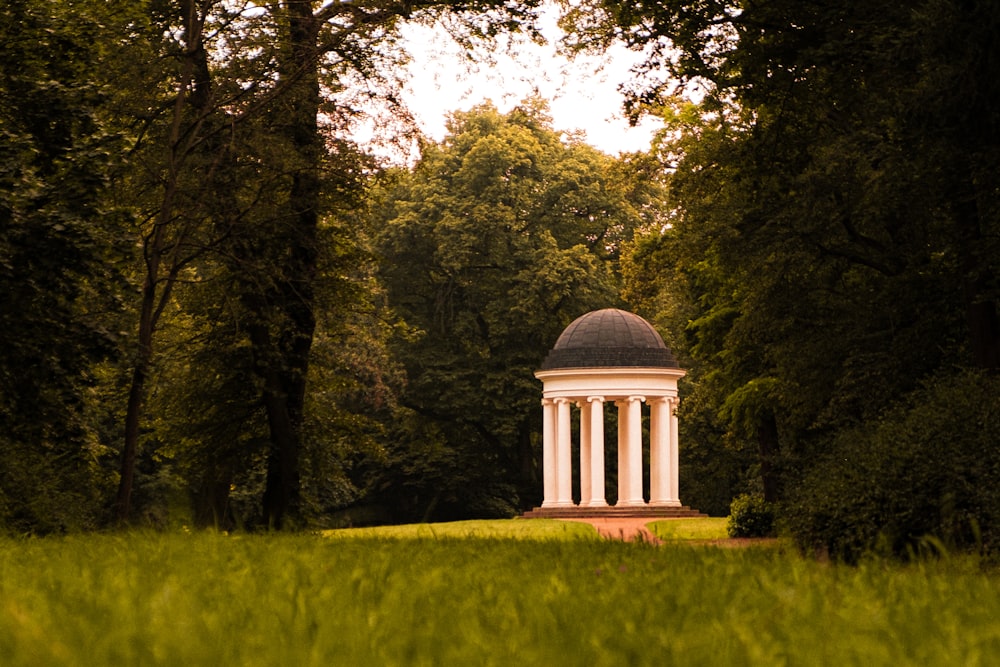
634, 528
626, 528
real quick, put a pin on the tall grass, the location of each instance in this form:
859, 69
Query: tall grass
208, 599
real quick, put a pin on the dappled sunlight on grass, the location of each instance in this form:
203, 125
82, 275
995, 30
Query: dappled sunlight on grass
518, 529
702, 528
695, 529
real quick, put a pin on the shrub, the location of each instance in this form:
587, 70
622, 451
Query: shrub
750, 516
927, 473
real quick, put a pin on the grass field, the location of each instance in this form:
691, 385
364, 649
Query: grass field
536, 529
471, 594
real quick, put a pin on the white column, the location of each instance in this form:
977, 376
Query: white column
564, 456
623, 440
633, 496
548, 452
674, 497
595, 432
585, 445
661, 466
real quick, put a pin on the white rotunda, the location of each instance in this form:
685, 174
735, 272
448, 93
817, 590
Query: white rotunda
614, 357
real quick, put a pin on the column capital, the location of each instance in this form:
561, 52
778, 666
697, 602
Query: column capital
594, 399
560, 400
547, 401
632, 399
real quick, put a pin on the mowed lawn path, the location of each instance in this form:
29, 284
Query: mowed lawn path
702, 531
625, 528
629, 529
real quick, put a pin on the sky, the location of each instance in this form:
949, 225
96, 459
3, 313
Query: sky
582, 94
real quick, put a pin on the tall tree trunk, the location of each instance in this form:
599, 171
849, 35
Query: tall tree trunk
282, 403
160, 245
136, 396
528, 468
767, 447
284, 378
211, 497
978, 272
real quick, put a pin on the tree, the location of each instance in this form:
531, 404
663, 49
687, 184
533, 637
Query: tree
855, 109
320, 44
61, 237
248, 106
835, 205
500, 236
172, 156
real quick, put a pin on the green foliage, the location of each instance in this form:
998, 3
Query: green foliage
214, 457
499, 237
205, 598
61, 248
196, 152
926, 470
295, 89
750, 516
832, 236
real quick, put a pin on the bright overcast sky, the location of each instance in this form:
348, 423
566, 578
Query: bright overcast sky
583, 94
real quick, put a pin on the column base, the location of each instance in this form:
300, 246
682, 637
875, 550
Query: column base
558, 503
665, 503
595, 503
645, 511
631, 503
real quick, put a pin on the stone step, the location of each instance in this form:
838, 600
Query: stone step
613, 512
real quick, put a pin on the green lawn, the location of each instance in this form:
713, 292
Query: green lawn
536, 529
518, 529
468, 594
690, 529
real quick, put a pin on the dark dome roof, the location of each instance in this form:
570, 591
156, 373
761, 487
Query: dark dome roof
609, 337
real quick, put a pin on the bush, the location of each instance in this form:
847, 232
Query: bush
927, 474
750, 516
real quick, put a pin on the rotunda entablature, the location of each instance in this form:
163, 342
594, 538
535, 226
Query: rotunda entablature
612, 383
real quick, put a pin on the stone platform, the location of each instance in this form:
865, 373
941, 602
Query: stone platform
639, 512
